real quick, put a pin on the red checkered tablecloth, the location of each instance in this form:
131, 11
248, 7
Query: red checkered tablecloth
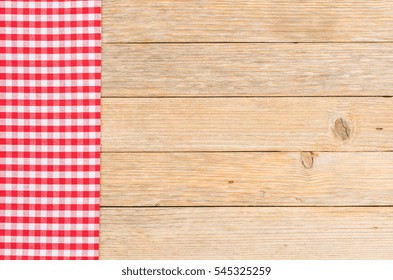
50, 61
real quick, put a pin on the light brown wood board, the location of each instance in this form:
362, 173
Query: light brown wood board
247, 233
264, 124
247, 179
196, 70
247, 124
247, 21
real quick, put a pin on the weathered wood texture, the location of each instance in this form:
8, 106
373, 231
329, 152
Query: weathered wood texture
269, 123
247, 124
247, 233
247, 70
247, 21
246, 179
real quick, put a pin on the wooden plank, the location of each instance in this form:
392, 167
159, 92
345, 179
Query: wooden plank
247, 233
247, 124
246, 179
247, 70
247, 21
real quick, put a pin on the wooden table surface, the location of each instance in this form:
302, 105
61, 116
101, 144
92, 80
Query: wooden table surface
247, 129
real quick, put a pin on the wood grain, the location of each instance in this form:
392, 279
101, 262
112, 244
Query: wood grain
247, 70
246, 179
209, 103
247, 124
247, 233
247, 21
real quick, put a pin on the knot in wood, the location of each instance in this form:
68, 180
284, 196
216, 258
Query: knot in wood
307, 159
342, 129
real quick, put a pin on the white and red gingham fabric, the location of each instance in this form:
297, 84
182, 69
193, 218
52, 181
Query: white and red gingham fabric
50, 61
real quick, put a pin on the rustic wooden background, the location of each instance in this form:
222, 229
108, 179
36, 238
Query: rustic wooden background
247, 129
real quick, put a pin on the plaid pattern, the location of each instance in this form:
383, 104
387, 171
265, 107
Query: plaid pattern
49, 128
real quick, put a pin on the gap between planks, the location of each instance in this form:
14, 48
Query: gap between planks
206, 43
248, 206
248, 96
